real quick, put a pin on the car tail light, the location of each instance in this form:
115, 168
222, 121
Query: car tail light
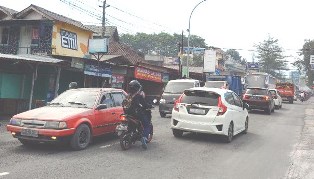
176, 103
222, 108
266, 98
246, 96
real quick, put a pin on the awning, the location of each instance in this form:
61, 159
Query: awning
31, 58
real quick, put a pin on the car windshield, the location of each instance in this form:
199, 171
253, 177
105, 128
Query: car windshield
256, 91
215, 84
76, 98
200, 97
178, 87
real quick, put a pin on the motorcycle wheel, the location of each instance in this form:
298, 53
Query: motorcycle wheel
125, 141
150, 135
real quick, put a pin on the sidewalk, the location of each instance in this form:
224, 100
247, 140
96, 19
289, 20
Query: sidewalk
302, 160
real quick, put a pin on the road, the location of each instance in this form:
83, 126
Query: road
268, 150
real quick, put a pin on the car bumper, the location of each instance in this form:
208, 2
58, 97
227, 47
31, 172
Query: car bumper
258, 104
165, 108
44, 135
189, 126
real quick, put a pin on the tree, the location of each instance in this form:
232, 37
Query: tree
304, 64
270, 57
234, 54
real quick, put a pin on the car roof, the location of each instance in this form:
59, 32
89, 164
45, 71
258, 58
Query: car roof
98, 89
183, 80
216, 90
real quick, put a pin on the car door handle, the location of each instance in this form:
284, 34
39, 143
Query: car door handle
113, 113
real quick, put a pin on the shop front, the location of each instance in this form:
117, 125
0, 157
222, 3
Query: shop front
97, 75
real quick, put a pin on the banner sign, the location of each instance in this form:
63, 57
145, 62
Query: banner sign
98, 45
93, 70
252, 65
117, 78
209, 61
146, 74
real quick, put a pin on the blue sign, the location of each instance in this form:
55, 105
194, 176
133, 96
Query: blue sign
93, 70
217, 71
252, 65
194, 50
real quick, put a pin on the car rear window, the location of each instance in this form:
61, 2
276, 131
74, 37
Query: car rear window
256, 91
200, 97
178, 87
272, 92
216, 84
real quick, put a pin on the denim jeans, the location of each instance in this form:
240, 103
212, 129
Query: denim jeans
146, 124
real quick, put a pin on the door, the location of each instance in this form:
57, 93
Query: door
25, 40
242, 114
118, 98
233, 110
105, 118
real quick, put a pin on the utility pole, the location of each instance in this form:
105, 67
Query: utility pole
103, 19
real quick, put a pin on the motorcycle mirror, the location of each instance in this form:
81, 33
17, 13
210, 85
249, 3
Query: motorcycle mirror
155, 101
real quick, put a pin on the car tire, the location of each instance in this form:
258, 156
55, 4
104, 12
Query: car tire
81, 138
273, 110
291, 101
229, 137
177, 133
246, 125
162, 114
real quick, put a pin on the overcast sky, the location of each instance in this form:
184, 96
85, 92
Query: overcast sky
236, 24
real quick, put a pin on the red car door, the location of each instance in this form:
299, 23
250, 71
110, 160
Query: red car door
105, 118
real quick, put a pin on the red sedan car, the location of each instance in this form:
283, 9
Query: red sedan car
75, 116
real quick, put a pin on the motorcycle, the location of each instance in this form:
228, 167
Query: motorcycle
130, 130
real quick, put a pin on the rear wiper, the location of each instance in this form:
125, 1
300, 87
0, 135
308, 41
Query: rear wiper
78, 103
54, 104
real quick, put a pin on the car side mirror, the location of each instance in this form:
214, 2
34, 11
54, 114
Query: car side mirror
246, 106
101, 106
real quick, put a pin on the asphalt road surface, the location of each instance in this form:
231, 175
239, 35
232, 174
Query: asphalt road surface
266, 151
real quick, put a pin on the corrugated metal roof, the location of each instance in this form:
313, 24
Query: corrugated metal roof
31, 58
8, 11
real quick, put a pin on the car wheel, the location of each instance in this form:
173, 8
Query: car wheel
246, 125
162, 114
280, 106
177, 133
268, 111
229, 137
81, 138
27, 143
273, 110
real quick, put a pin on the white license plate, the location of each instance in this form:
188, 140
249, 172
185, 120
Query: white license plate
29, 132
197, 111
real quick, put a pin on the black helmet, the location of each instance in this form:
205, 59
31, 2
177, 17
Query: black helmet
73, 85
134, 86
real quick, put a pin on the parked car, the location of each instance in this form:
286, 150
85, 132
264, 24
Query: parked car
211, 111
277, 98
259, 98
75, 116
173, 90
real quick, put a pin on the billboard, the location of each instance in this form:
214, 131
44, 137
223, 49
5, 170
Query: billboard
98, 45
209, 61
146, 74
252, 65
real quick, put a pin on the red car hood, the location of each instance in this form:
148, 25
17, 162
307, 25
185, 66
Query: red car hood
52, 113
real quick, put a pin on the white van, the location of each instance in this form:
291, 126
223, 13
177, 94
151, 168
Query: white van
172, 92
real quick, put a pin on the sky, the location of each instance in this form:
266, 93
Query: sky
227, 24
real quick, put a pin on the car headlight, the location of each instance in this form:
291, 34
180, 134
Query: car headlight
55, 125
15, 122
162, 101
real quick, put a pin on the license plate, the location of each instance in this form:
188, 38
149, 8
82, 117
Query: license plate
29, 132
197, 111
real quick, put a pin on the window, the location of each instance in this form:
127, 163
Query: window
229, 98
118, 98
178, 87
200, 97
106, 99
5, 36
237, 100
257, 91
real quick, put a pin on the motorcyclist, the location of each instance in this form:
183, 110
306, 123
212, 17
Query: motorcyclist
137, 107
302, 96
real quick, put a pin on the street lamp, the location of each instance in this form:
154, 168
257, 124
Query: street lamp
188, 58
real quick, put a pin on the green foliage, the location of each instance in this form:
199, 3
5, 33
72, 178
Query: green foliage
163, 44
234, 54
270, 57
304, 64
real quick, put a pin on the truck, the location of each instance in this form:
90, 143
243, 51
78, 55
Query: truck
286, 91
232, 82
260, 80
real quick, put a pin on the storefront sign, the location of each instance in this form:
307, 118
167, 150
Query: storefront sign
95, 71
146, 74
68, 39
117, 78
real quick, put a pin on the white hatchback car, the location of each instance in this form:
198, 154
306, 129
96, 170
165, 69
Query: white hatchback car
277, 98
210, 110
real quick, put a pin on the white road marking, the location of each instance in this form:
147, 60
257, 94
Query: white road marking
4, 173
106, 146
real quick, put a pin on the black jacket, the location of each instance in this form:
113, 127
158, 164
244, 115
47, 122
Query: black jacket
137, 106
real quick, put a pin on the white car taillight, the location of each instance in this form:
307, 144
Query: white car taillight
222, 108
